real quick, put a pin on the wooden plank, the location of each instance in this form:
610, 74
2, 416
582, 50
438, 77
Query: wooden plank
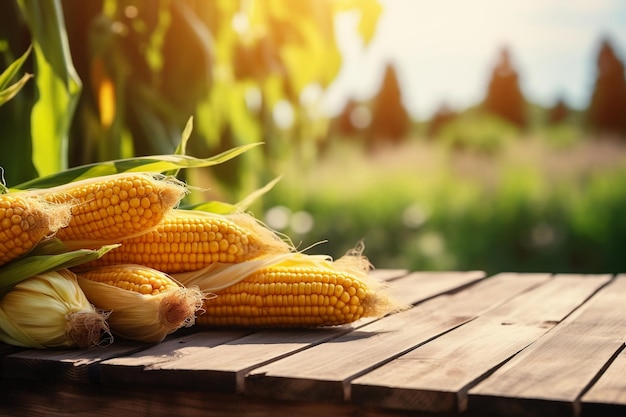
435, 377
223, 366
212, 368
607, 397
388, 274
323, 372
549, 377
72, 365
147, 368
420, 286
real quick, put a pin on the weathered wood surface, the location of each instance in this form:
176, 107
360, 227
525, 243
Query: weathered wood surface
553, 372
511, 344
436, 376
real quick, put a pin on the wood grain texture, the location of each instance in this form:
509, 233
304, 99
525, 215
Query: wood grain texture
608, 395
388, 274
552, 374
323, 372
73, 365
419, 286
436, 376
150, 367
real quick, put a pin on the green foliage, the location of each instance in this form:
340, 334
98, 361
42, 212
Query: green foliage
58, 85
154, 163
511, 218
143, 67
561, 135
479, 131
8, 90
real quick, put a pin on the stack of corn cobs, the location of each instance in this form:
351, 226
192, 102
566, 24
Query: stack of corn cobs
154, 268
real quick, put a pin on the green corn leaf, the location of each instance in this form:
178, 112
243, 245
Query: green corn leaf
58, 84
10, 92
220, 207
156, 163
181, 149
47, 257
3, 187
12, 70
252, 197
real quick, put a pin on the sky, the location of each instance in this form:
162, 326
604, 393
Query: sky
444, 50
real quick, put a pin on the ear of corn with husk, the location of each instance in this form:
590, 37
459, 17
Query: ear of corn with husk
145, 304
294, 290
50, 311
25, 220
189, 240
107, 209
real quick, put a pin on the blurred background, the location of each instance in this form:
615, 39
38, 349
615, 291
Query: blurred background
452, 135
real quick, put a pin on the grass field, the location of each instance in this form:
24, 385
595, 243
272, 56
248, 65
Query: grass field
534, 205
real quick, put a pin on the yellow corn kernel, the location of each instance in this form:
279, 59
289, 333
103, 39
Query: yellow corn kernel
283, 296
296, 291
110, 208
189, 240
135, 278
146, 305
25, 220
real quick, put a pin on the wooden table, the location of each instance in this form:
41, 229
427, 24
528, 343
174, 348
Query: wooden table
510, 344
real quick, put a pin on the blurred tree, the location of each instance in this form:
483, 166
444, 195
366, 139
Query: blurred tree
442, 117
390, 120
607, 109
559, 112
354, 118
504, 97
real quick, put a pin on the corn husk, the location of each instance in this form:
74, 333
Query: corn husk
49, 255
50, 311
217, 277
141, 317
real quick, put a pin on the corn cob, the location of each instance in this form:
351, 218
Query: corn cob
110, 208
49, 311
189, 240
25, 220
297, 291
146, 305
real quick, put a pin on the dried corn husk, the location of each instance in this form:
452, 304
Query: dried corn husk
144, 317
